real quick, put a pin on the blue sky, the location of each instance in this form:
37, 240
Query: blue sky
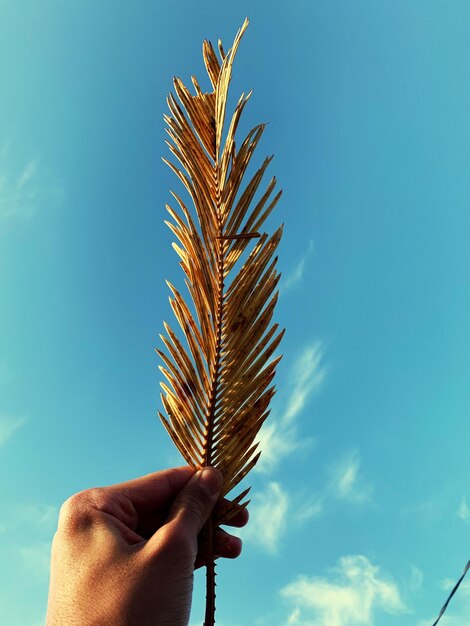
360, 512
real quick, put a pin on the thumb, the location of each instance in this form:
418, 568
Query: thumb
194, 503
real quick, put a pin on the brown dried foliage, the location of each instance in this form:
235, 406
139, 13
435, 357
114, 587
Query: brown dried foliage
220, 384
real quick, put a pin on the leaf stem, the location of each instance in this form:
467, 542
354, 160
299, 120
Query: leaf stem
209, 618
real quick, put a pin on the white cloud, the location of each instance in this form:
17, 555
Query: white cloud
23, 188
273, 511
24, 519
308, 510
448, 619
19, 193
294, 618
351, 596
268, 518
42, 516
276, 442
347, 481
431, 508
8, 425
27, 174
295, 277
308, 377
464, 509
36, 558
278, 436
416, 578
459, 607
448, 584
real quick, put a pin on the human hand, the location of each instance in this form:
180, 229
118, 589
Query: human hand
124, 555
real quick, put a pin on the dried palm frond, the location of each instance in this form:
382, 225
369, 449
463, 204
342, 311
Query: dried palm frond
219, 386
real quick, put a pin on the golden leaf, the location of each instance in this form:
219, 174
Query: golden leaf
219, 384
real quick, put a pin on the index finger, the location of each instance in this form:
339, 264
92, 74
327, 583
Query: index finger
154, 490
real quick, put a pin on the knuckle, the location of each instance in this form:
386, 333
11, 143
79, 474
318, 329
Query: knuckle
78, 512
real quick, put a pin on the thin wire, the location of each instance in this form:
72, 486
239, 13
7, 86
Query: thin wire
457, 584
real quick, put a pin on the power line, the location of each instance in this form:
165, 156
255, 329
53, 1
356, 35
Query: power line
457, 585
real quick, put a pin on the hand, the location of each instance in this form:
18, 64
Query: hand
124, 555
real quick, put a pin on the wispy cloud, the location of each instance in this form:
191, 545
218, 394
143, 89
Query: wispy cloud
449, 619
268, 518
29, 528
276, 442
354, 592
27, 174
430, 508
459, 608
308, 377
464, 509
19, 191
278, 437
274, 510
36, 558
347, 482
297, 274
31, 519
41, 516
416, 578
9, 424
448, 584
23, 188
308, 509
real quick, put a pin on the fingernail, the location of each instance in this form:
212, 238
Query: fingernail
211, 479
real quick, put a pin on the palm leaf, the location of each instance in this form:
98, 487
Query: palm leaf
219, 384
